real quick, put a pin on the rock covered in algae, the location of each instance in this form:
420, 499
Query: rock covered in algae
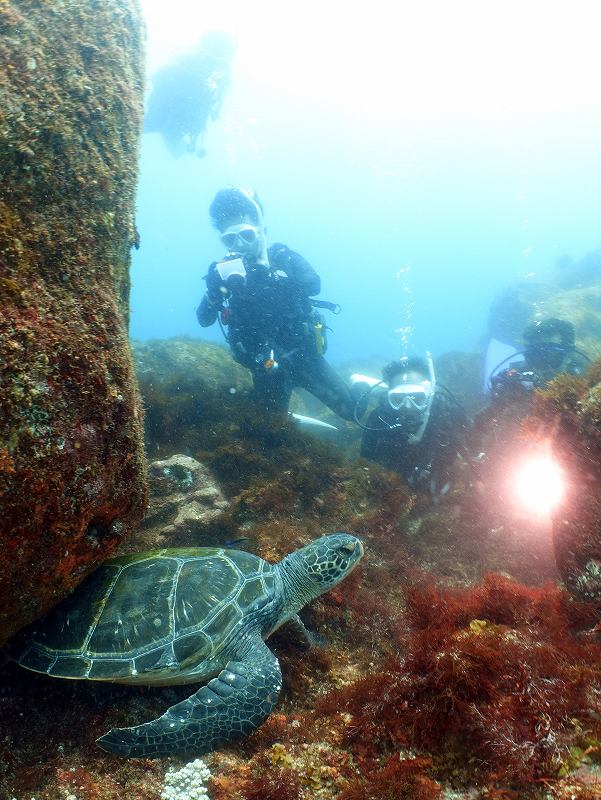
574, 294
185, 499
577, 443
179, 359
582, 307
72, 474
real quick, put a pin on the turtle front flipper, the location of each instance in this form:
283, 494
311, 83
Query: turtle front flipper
231, 705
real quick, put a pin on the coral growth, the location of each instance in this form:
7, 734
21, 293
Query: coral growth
187, 783
185, 505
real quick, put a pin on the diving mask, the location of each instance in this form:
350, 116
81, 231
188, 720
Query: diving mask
411, 396
238, 238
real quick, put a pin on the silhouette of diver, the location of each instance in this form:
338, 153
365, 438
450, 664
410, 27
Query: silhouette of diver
189, 92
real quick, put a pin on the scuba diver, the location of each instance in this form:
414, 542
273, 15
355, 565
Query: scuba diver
189, 92
417, 428
498, 432
262, 298
549, 349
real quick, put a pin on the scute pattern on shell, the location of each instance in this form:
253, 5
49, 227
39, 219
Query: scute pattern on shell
150, 618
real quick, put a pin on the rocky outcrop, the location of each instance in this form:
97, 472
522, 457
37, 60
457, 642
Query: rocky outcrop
575, 296
182, 359
582, 307
191, 391
576, 409
72, 470
184, 499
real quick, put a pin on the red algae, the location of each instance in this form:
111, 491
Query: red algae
273, 783
494, 679
434, 678
400, 779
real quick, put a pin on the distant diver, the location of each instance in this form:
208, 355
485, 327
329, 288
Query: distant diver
189, 92
549, 350
418, 429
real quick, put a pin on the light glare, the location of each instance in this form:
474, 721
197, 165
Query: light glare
539, 484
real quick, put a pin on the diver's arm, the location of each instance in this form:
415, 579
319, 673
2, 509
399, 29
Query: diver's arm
465, 434
367, 446
451, 422
206, 313
296, 267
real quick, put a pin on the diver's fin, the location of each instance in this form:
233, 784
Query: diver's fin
311, 422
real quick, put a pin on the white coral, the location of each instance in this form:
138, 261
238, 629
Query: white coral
186, 783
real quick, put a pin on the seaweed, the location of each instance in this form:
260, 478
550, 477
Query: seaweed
400, 779
493, 678
273, 783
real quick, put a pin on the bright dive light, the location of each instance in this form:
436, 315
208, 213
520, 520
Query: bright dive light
539, 483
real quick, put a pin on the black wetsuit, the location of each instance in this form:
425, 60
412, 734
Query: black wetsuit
271, 311
425, 463
519, 380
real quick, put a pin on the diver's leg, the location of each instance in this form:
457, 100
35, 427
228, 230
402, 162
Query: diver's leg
272, 390
320, 379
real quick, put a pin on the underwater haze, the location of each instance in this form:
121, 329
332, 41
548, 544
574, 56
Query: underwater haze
421, 156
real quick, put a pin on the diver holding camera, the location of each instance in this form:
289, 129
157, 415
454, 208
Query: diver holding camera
262, 299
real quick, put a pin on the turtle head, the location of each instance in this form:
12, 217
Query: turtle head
319, 566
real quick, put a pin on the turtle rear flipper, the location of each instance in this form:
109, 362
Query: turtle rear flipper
231, 705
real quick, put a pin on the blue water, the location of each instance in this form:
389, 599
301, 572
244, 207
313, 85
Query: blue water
414, 221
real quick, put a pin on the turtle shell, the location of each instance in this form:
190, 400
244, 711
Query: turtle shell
153, 617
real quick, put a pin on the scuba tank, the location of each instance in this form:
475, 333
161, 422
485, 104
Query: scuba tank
317, 324
319, 330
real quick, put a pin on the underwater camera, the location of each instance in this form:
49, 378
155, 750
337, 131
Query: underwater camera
230, 269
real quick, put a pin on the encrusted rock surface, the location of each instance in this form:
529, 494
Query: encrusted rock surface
576, 410
579, 303
72, 469
184, 499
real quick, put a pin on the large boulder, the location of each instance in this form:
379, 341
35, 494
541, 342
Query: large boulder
181, 359
582, 307
72, 469
191, 390
574, 295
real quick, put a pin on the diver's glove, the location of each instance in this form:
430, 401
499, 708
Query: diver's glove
217, 292
214, 300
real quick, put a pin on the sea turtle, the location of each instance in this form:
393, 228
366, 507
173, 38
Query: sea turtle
180, 616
